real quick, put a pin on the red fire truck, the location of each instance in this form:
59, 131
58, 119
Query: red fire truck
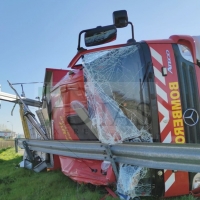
136, 92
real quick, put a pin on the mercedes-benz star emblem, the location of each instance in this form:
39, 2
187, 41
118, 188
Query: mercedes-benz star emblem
191, 117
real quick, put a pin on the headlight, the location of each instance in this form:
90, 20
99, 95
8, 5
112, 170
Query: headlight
186, 53
196, 181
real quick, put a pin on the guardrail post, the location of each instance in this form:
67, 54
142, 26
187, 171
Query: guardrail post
111, 159
16, 145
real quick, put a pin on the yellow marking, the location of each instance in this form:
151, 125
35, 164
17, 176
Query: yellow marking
24, 122
64, 129
177, 113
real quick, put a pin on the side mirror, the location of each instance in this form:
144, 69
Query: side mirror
100, 35
120, 18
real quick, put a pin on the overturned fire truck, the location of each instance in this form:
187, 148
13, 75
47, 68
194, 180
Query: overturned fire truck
128, 115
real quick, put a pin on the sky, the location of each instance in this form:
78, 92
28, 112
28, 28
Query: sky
39, 34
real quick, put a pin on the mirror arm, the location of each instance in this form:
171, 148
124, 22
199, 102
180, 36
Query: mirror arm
132, 30
79, 39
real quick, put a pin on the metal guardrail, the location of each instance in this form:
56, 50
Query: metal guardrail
183, 157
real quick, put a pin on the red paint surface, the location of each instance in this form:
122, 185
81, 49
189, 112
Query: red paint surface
86, 171
71, 88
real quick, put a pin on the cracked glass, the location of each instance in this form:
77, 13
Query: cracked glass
119, 106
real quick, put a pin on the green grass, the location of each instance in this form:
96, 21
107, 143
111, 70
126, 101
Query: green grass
22, 184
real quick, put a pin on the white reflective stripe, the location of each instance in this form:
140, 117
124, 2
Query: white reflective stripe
168, 139
169, 182
165, 113
156, 55
163, 110
161, 93
159, 75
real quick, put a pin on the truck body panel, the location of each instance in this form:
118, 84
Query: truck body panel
169, 112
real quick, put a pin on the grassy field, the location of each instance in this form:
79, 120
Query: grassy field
22, 184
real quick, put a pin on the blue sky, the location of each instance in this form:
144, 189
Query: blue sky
39, 34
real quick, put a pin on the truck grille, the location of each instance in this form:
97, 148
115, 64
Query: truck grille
189, 93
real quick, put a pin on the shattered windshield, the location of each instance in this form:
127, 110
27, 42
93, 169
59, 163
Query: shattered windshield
119, 107
118, 99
